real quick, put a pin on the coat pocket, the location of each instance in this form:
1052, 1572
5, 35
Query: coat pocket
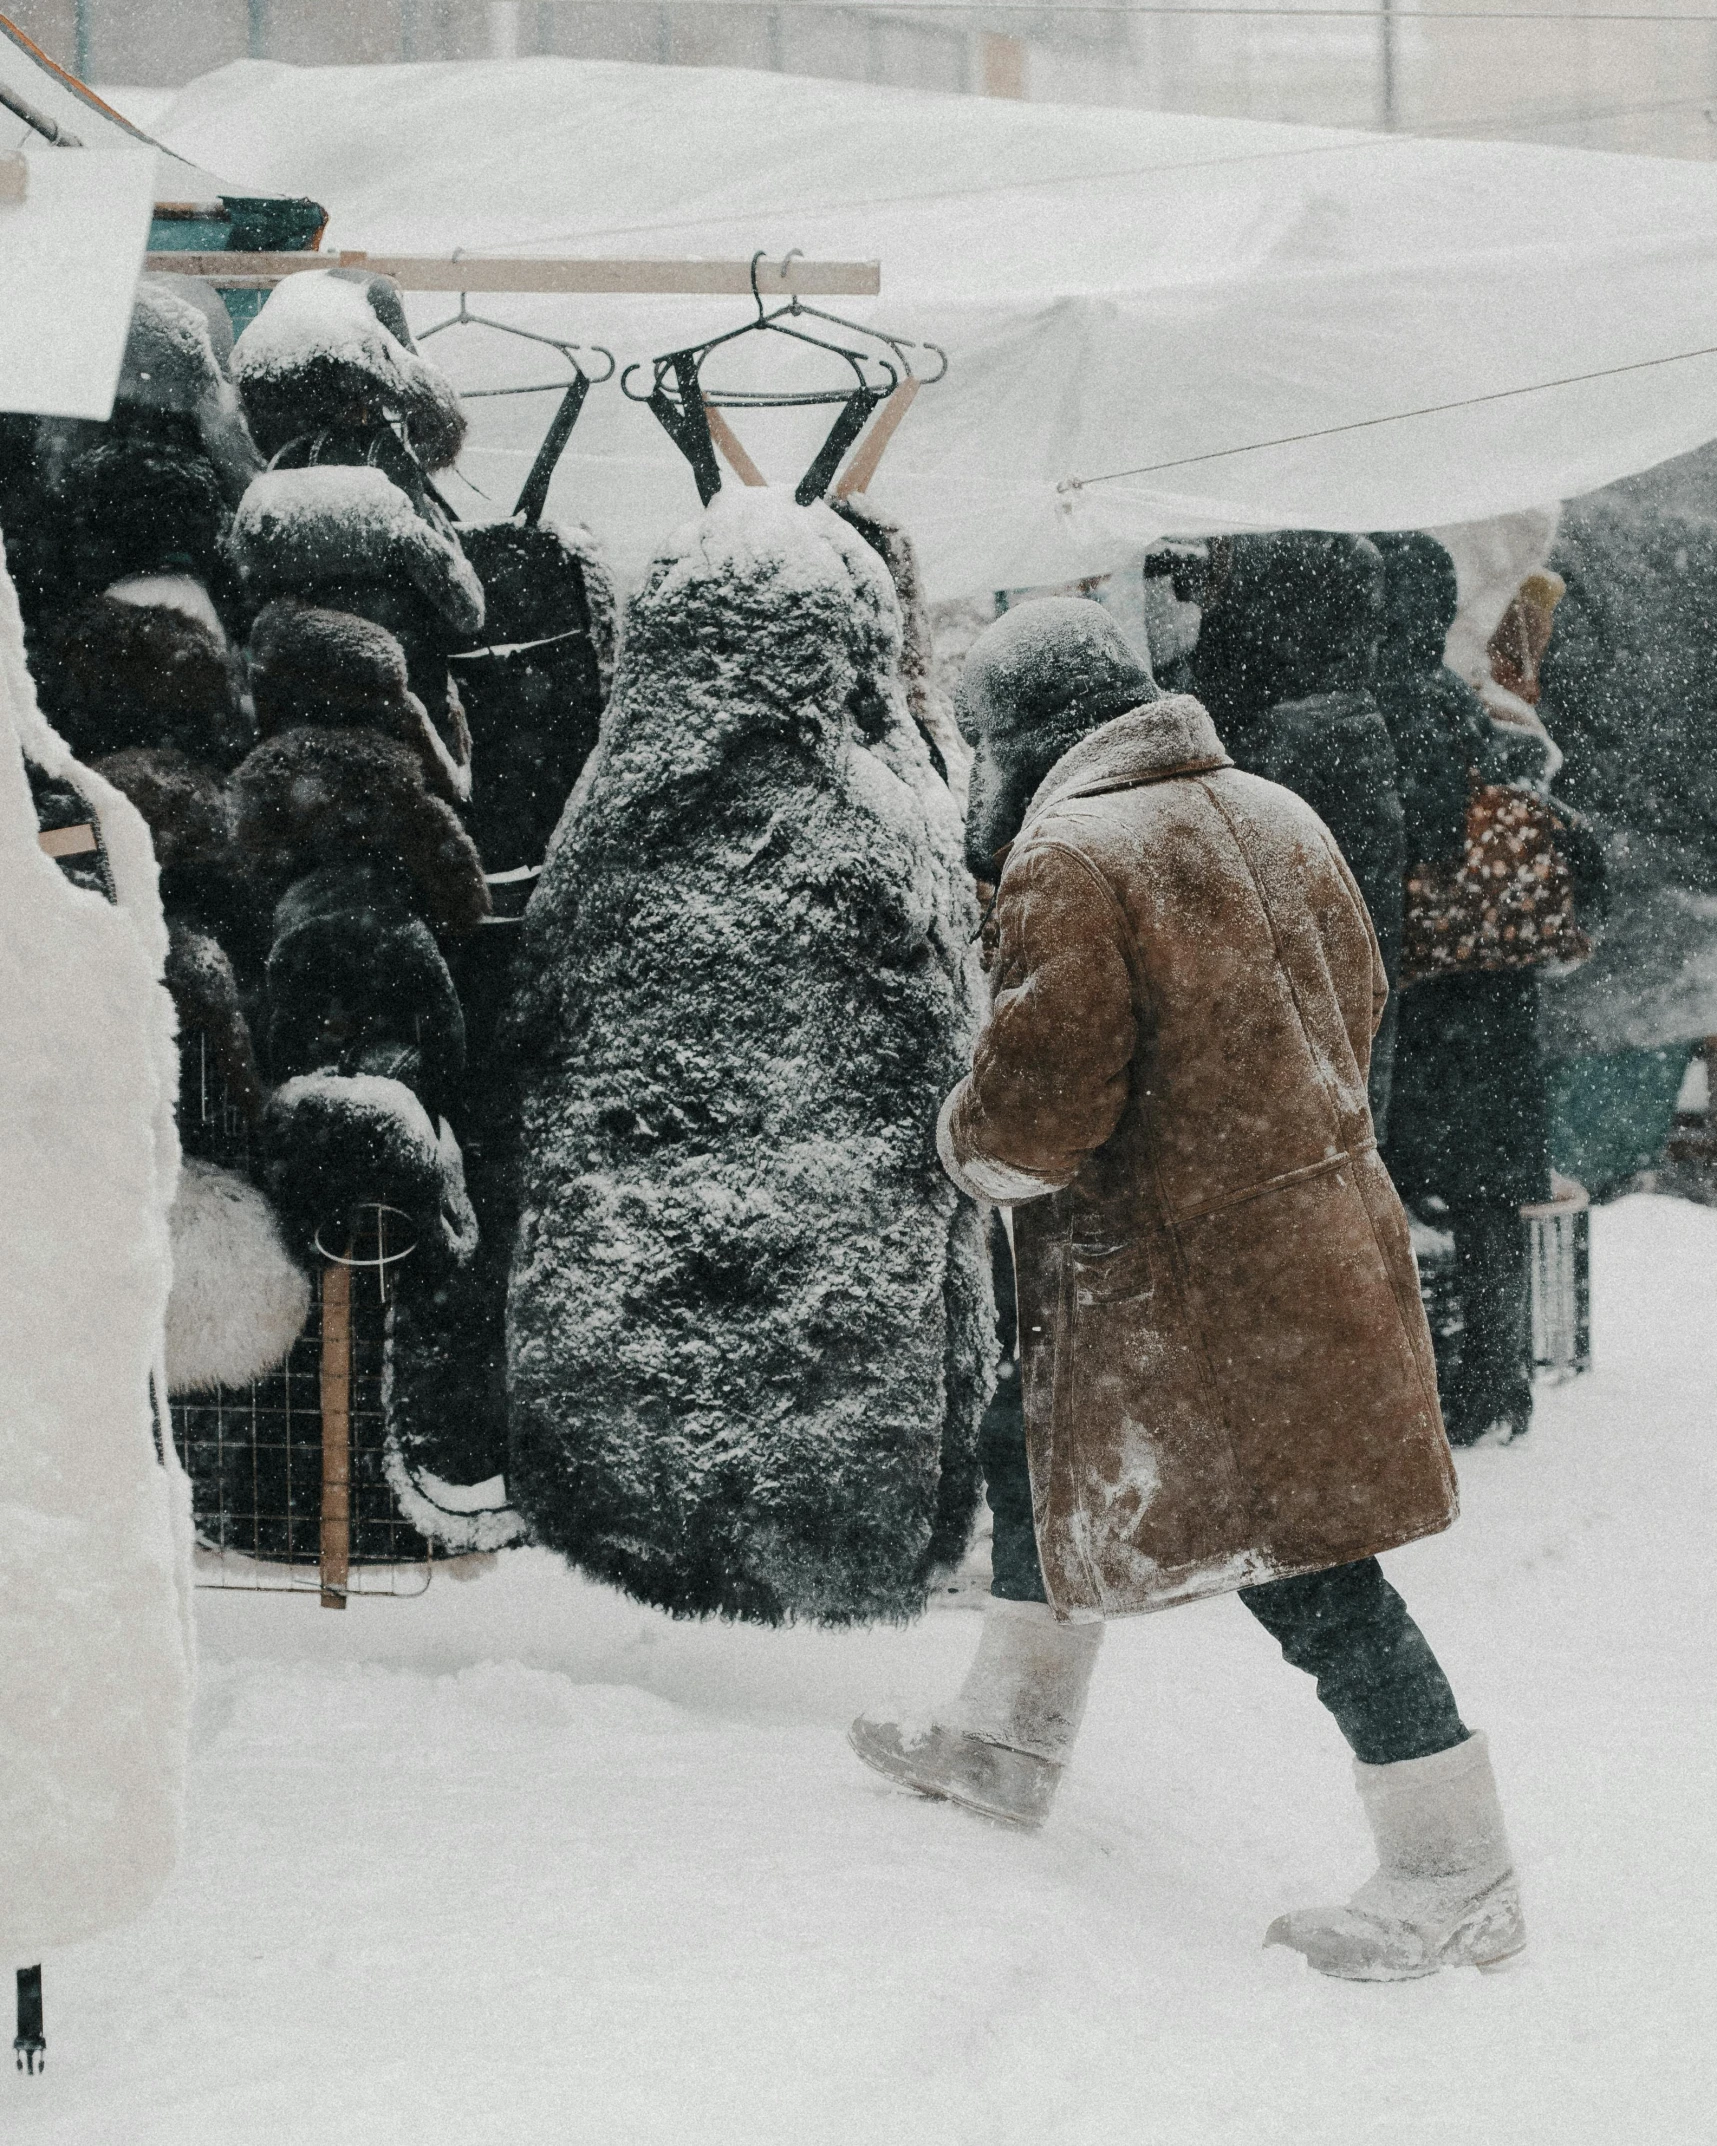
1110, 1270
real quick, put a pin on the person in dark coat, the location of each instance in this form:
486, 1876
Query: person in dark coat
1286, 658
1468, 1135
1228, 1379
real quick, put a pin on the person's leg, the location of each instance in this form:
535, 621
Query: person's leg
1444, 1893
1016, 1575
1493, 1277
1001, 1744
1375, 1672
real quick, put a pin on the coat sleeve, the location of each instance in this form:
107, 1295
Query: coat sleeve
1049, 1077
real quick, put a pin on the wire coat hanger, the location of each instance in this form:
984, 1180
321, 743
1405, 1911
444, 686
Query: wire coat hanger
534, 496
682, 402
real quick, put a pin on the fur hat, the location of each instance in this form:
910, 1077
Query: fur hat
175, 360
1039, 679
311, 797
331, 347
190, 818
337, 527
332, 1143
1418, 602
356, 983
127, 674
205, 993
138, 503
309, 665
239, 1299
1301, 613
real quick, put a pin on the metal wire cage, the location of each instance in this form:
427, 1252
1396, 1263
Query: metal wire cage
1559, 1266
289, 1484
1559, 1249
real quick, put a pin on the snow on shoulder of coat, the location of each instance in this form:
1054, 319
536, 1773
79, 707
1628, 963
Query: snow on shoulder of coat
95, 1637
750, 1325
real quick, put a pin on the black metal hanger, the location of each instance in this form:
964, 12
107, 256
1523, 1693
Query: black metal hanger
682, 402
534, 497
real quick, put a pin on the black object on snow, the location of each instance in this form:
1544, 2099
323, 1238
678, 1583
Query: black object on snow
30, 2043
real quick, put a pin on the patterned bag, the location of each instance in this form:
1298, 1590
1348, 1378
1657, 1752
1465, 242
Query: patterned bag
1507, 902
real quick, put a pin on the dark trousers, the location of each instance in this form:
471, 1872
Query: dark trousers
1491, 1380
1347, 1626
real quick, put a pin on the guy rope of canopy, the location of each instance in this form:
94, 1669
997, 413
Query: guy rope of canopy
1069, 485
634, 278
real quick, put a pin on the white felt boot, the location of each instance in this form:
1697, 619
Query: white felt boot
1444, 1894
1001, 1746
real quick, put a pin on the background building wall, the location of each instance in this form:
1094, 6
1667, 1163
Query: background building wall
1571, 77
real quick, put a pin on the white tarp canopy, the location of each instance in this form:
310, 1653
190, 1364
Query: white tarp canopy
1118, 290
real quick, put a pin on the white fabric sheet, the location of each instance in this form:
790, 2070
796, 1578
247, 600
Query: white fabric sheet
1117, 289
69, 255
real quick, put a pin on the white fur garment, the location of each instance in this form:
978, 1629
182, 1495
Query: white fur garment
95, 1634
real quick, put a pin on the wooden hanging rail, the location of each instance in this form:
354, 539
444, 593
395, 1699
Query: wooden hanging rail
632, 278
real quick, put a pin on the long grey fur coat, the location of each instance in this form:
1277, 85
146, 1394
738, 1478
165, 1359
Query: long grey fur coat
750, 1324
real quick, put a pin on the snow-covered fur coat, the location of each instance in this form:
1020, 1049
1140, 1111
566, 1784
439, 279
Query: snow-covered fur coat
95, 1633
750, 1327
332, 345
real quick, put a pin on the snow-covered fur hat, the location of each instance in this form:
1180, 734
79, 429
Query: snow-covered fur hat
239, 1298
310, 665
311, 797
331, 346
175, 361
356, 983
334, 528
333, 1142
1036, 681
128, 674
931, 707
751, 1329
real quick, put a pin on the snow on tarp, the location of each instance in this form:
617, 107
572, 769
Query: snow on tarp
1118, 290
95, 1637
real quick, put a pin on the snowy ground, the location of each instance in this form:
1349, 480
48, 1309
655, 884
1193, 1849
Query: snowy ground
520, 1862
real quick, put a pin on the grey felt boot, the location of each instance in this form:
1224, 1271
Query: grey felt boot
1000, 1748
1444, 1893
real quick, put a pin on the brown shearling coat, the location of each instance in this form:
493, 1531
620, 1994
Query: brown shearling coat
1227, 1371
